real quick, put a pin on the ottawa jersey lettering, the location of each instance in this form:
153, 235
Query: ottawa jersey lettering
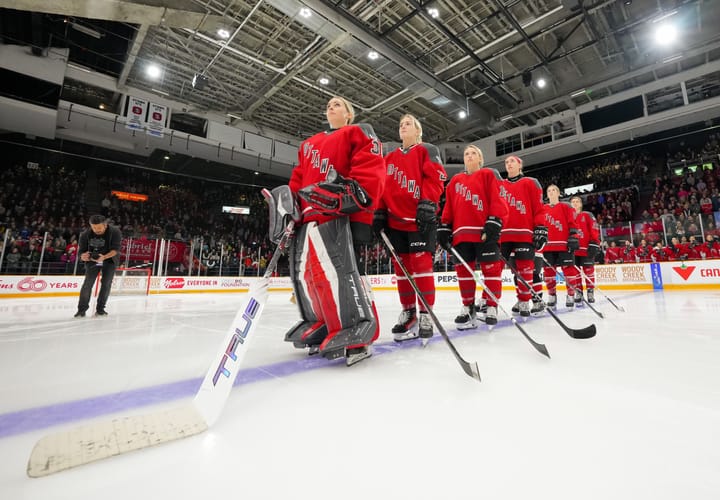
512, 201
464, 193
314, 155
410, 184
553, 222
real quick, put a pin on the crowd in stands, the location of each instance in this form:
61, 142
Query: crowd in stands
43, 207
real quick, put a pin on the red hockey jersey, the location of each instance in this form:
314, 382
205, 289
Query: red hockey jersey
613, 255
469, 200
588, 231
354, 152
526, 209
710, 250
412, 175
559, 219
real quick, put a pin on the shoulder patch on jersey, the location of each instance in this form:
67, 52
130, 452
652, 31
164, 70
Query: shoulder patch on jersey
367, 130
495, 173
537, 182
433, 152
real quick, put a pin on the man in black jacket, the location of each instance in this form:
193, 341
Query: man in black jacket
99, 249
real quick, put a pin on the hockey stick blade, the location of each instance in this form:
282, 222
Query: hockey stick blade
581, 333
619, 308
471, 369
99, 440
538, 347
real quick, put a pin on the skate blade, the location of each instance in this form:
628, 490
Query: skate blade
356, 358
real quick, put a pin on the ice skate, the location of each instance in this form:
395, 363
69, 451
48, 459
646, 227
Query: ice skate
357, 354
425, 329
524, 306
516, 308
591, 295
491, 317
467, 318
407, 326
538, 306
578, 298
552, 301
569, 302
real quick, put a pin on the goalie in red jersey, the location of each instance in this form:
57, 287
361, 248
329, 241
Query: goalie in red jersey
414, 182
525, 230
339, 179
472, 219
589, 234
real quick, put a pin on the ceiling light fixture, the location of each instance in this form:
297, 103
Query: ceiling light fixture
305, 12
372, 55
88, 31
665, 34
223, 33
153, 71
541, 83
434, 13
462, 115
578, 93
323, 81
505, 118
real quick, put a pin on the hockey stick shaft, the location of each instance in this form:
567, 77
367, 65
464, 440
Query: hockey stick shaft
574, 289
582, 333
213, 393
539, 347
595, 287
471, 369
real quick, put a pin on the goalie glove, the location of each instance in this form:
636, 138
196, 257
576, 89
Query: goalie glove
573, 243
540, 237
426, 216
444, 236
336, 196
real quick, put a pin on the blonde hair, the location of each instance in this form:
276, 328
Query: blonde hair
348, 107
418, 127
479, 151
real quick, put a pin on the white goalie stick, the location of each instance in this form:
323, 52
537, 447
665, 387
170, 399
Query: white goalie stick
96, 441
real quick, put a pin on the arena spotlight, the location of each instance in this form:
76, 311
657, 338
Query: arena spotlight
323, 81
665, 34
541, 83
434, 13
372, 55
462, 115
223, 33
305, 12
153, 71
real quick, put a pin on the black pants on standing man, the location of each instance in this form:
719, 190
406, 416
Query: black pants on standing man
91, 271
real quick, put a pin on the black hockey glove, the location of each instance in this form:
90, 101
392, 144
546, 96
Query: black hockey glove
444, 236
540, 237
426, 216
336, 196
573, 243
593, 250
379, 220
491, 230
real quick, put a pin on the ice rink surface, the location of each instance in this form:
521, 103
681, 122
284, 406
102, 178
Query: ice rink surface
633, 413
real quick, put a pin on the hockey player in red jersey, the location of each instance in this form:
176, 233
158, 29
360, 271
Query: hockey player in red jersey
339, 179
525, 230
711, 248
589, 234
472, 219
407, 212
562, 242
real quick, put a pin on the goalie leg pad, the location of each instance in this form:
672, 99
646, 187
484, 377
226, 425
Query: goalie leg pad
341, 296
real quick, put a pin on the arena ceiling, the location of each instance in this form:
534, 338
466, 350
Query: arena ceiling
278, 61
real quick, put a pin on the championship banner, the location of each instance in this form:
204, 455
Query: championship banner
156, 120
136, 110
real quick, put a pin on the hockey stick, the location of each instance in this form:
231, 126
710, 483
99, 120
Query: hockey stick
567, 283
96, 441
595, 287
581, 333
539, 347
471, 369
